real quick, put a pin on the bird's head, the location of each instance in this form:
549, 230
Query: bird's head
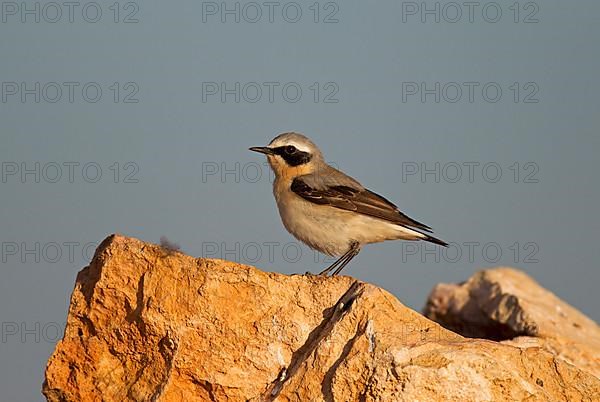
291, 155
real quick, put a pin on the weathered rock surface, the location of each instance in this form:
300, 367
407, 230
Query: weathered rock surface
506, 304
148, 324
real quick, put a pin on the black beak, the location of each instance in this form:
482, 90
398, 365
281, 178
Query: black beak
263, 150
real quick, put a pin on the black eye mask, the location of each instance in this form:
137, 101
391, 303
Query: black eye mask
292, 156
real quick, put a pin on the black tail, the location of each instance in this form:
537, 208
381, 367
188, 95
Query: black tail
434, 240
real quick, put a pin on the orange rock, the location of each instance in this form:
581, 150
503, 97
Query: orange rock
506, 304
149, 324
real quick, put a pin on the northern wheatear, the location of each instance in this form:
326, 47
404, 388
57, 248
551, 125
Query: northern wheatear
329, 210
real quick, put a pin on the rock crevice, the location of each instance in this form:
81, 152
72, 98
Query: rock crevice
332, 316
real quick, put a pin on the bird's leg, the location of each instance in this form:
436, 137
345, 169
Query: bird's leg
336, 263
355, 249
343, 260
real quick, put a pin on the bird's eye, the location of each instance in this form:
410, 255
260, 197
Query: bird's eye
290, 149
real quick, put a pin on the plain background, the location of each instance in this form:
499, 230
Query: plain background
175, 163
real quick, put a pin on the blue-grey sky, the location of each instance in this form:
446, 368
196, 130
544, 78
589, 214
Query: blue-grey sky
482, 123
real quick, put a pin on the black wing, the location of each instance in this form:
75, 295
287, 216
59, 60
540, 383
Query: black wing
361, 201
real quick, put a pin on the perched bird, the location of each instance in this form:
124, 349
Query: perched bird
329, 210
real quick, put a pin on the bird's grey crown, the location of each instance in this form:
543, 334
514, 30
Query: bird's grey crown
301, 142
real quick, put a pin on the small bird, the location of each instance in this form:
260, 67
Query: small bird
328, 210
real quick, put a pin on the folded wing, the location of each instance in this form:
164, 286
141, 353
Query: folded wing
356, 199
